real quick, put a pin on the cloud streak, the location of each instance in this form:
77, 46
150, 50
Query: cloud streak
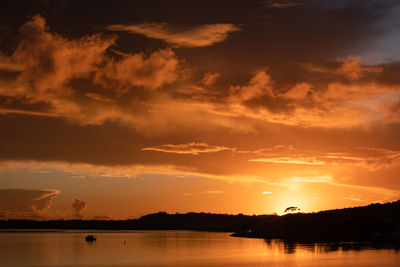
367, 157
291, 160
199, 36
190, 148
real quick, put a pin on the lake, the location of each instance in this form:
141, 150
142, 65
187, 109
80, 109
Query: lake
179, 248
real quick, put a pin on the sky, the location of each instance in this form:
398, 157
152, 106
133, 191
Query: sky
116, 109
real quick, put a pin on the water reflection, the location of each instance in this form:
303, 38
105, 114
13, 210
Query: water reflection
182, 248
290, 247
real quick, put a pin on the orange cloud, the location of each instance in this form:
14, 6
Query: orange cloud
301, 90
204, 35
191, 148
259, 85
352, 68
49, 61
209, 78
357, 103
49, 65
151, 72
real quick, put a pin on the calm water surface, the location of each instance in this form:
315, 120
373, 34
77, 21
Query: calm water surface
179, 248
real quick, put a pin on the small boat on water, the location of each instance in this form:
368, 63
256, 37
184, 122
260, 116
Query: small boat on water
90, 238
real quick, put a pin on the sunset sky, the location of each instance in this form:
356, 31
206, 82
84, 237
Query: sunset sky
116, 109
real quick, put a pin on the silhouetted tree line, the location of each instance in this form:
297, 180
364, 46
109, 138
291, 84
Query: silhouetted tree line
372, 222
